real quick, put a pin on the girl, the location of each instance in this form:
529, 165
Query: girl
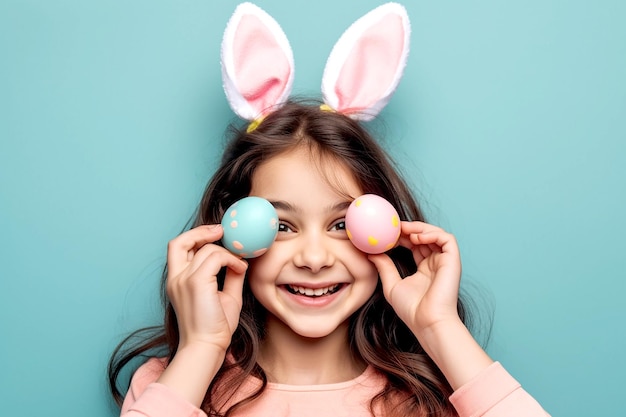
313, 327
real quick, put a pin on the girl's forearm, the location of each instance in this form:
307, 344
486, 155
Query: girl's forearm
191, 371
455, 351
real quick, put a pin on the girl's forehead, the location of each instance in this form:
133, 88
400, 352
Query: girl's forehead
300, 172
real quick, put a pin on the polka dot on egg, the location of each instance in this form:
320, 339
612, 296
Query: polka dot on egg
259, 252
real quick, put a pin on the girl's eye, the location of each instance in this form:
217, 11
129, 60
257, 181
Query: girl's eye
284, 227
341, 225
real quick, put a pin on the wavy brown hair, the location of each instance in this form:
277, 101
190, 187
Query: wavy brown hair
415, 386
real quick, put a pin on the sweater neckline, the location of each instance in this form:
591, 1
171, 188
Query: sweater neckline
367, 373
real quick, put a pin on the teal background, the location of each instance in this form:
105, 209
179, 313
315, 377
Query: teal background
510, 122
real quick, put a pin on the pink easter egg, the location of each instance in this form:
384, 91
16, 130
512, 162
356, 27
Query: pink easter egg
372, 224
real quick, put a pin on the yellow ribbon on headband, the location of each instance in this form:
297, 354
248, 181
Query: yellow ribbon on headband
326, 107
254, 124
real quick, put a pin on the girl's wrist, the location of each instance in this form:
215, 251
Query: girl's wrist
454, 350
200, 347
192, 369
438, 332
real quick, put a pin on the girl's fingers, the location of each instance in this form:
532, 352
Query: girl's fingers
233, 284
437, 241
181, 249
389, 275
424, 240
411, 229
216, 258
420, 233
418, 227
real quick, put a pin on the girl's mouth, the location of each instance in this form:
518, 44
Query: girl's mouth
313, 292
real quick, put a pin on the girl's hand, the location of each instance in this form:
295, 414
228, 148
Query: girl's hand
207, 318
205, 315
429, 296
427, 301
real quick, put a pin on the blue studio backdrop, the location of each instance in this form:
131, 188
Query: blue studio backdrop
509, 121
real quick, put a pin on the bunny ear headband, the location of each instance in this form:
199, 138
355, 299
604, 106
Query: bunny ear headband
361, 74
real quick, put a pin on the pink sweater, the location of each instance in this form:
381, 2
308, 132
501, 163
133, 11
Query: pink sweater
493, 393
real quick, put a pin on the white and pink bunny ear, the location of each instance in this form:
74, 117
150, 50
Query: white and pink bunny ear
257, 63
366, 64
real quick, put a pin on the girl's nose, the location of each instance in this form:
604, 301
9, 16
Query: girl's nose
314, 253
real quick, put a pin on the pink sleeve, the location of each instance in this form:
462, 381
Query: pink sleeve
495, 393
147, 398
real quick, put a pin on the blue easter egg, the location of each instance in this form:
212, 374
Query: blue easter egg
250, 227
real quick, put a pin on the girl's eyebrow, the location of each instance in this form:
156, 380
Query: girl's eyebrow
286, 206
283, 205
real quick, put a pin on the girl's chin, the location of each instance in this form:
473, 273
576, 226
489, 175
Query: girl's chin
314, 335
313, 328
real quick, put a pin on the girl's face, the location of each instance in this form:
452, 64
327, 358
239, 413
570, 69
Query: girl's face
312, 278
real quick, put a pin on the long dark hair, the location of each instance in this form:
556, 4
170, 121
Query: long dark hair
415, 385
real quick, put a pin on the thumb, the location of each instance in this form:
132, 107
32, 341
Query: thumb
389, 275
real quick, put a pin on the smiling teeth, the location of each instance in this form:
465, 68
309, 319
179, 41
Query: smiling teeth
313, 292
